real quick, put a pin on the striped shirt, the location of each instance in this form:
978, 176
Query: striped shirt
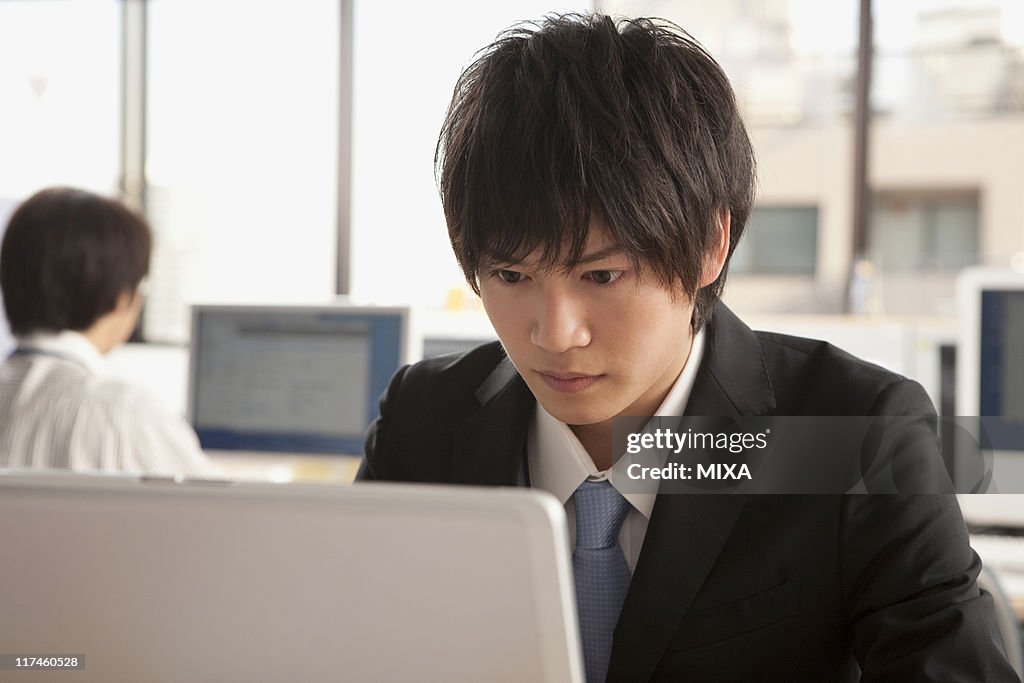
60, 410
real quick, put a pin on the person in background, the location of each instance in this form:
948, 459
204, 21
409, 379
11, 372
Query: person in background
71, 264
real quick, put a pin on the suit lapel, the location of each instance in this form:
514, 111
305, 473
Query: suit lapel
684, 538
733, 378
687, 532
488, 446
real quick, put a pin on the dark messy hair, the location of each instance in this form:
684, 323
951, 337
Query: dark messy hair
67, 255
578, 117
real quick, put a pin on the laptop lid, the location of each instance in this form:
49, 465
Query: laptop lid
160, 580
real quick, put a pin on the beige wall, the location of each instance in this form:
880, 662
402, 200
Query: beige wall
814, 166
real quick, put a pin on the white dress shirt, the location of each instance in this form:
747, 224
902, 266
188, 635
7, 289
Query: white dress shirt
559, 463
59, 409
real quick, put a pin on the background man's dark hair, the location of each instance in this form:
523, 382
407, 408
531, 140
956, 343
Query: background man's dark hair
633, 123
67, 255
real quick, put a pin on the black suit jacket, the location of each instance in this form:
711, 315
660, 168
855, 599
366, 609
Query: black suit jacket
731, 587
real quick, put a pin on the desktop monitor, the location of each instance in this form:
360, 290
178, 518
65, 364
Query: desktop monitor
6, 339
990, 384
288, 379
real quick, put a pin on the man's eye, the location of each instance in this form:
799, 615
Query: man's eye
509, 277
604, 277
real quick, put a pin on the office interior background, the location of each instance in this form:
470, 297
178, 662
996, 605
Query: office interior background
283, 152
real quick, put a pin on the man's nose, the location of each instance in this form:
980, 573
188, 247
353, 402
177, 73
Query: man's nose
560, 323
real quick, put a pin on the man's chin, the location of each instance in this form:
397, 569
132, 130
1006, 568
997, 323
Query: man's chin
574, 411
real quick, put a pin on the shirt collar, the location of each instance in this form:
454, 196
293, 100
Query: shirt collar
561, 476
67, 344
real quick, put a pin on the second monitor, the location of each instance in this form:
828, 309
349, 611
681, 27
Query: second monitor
291, 379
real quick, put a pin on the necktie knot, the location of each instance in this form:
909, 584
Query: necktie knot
600, 511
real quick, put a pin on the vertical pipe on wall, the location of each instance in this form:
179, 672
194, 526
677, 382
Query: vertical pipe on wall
343, 269
861, 188
133, 102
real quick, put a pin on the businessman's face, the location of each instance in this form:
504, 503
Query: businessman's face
600, 340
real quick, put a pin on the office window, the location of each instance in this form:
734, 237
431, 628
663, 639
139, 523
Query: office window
60, 116
241, 154
948, 59
924, 231
778, 240
791, 62
404, 71
60, 79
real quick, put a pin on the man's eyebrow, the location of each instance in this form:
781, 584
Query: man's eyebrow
612, 250
606, 252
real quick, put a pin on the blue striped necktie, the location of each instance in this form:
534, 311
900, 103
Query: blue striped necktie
600, 569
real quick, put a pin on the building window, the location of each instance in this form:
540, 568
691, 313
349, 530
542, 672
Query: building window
59, 84
927, 231
241, 154
778, 240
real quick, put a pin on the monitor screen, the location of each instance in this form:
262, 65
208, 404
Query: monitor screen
291, 379
990, 395
1001, 372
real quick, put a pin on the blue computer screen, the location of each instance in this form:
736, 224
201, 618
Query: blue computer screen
300, 380
1001, 388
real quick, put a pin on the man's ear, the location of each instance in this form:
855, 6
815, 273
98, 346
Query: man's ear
128, 301
125, 300
716, 257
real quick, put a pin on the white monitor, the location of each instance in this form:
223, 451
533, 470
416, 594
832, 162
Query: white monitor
6, 339
291, 379
990, 383
156, 580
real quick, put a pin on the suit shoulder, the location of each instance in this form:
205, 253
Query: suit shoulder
411, 439
787, 349
447, 384
468, 368
814, 372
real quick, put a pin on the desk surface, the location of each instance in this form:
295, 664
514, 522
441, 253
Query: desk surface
286, 467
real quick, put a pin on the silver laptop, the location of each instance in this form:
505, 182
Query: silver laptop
159, 580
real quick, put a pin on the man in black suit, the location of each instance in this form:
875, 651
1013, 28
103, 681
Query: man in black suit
596, 178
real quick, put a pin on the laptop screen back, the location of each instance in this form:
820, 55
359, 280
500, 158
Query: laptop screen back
163, 581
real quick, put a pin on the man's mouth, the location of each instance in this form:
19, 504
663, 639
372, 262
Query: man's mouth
567, 382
